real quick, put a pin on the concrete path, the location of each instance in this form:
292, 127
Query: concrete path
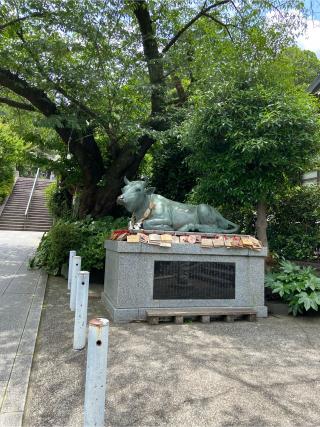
258, 374
21, 297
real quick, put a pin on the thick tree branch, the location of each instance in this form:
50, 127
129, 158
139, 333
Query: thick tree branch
83, 146
202, 12
152, 56
37, 97
23, 18
16, 104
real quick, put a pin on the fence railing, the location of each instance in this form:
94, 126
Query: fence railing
30, 197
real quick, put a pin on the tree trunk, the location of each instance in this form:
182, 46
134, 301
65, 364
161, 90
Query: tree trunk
88, 155
101, 201
261, 223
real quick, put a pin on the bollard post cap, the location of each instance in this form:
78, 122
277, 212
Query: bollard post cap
99, 322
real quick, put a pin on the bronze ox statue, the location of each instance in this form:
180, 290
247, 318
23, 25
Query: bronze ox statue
154, 212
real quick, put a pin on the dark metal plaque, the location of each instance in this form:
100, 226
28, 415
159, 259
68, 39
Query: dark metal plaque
193, 280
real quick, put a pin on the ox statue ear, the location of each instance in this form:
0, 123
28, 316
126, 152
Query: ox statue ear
150, 190
126, 181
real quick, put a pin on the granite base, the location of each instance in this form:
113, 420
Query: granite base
129, 276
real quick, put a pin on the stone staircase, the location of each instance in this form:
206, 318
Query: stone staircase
39, 219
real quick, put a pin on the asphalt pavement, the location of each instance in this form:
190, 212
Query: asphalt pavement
264, 373
21, 297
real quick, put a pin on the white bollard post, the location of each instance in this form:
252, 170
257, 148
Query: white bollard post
71, 255
96, 375
80, 318
76, 267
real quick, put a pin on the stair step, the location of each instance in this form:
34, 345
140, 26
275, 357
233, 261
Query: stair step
37, 229
22, 203
39, 217
12, 228
45, 226
42, 219
38, 214
19, 206
8, 221
13, 209
21, 193
38, 208
18, 200
39, 222
11, 217
19, 197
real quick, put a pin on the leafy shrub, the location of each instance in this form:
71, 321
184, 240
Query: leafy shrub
299, 287
6, 182
294, 226
86, 237
55, 246
94, 234
293, 223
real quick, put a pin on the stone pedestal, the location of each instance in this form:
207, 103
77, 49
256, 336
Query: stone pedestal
130, 283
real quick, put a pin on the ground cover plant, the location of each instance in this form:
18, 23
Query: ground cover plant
297, 286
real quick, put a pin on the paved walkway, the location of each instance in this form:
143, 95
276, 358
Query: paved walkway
21, 297
241, 374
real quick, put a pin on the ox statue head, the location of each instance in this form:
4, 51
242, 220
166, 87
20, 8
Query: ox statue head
134, 195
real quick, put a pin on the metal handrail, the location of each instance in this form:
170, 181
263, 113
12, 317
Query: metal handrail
31, 194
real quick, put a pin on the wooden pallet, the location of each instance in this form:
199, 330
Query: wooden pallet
206, 314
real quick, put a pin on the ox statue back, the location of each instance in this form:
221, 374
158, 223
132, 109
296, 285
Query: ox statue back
154, 212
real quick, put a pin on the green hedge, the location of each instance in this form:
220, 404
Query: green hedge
86, 237
294, 224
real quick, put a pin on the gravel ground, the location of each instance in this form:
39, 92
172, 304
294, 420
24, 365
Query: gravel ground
264, 373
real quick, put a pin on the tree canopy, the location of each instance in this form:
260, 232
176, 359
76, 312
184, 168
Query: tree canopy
251, 142
12, 149
112, 78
